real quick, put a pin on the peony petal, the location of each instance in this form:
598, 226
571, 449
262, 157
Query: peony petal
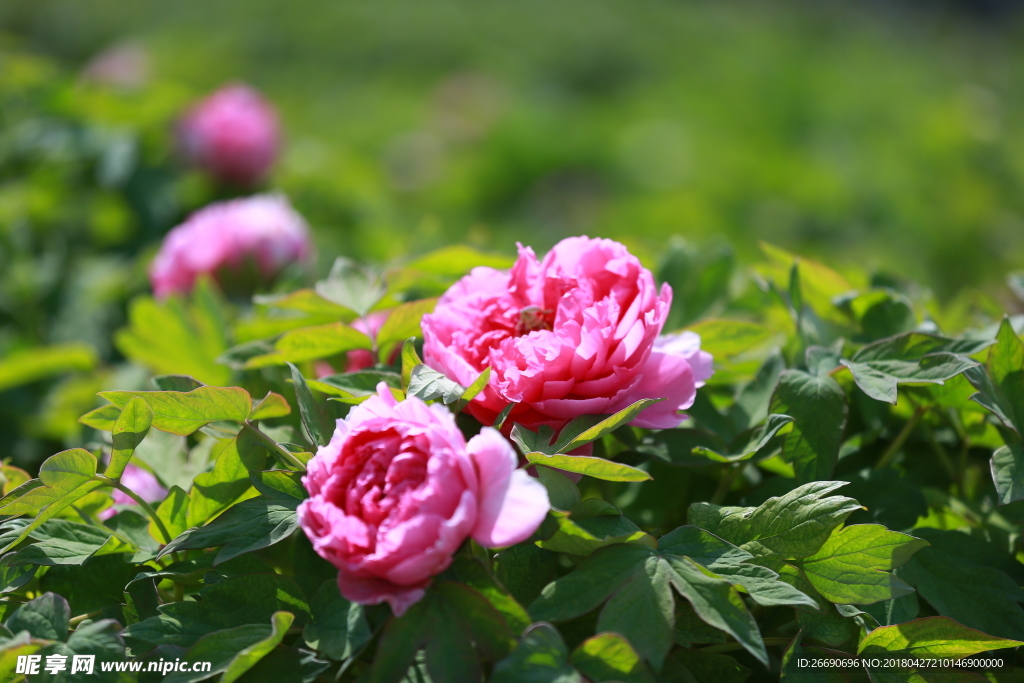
512, 503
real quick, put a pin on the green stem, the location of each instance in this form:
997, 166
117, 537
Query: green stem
725, 483
897, 443
143, 504
730, 647
82, 617
287, 459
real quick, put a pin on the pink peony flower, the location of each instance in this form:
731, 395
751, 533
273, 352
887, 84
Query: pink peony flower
233, 135
574, 334
397, 491
226, 238
142, 482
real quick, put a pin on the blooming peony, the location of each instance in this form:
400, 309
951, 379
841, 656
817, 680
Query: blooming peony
574, 334
142, 482
228, 237
397, 491
233, 135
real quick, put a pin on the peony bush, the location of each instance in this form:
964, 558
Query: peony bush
583, 466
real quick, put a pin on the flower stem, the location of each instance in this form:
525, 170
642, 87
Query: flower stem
726, 482
898, 442
287, 459
143, 504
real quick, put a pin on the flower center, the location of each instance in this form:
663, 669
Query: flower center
534, 318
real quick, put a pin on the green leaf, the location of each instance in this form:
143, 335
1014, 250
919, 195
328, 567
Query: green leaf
351, 285
64, 479
62, 542
338, 627
128, 432
177, 337
792, 526
455, 625
962, 578
212, 492
30, 365
882, 313
402, 322
429, 384
562, 491
273, 483
315, 419
585, 429
634, 581
176, 383
599, 468
250, 525
914, 357
311, 343
183, 413
752, 441
1008, 471
473, 574
173, 512
705, 667
726, 338
410, 359
270, 406
540, 657
593, 524
101, 419
229, 602
474, 389
931, 638
525, 569
610, 657
851, 567
818, 406
306, 301
45, 617
752, 402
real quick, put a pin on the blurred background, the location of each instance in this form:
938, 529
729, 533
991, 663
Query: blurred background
886, 136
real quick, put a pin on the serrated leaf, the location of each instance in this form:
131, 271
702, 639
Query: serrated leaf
129, 430
818, 408
851, 567
183, 413
792, 526
428, 384
250, 525
931, 638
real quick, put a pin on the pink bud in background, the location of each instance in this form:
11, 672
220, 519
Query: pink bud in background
233, 135
142, 483
227, 238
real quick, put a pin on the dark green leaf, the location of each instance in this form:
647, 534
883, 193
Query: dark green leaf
232, 652
45, 617
250, 525
610, 657
540, 657
182, 383
315, 419
818, 406
338, 627
562, 491
707, 667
